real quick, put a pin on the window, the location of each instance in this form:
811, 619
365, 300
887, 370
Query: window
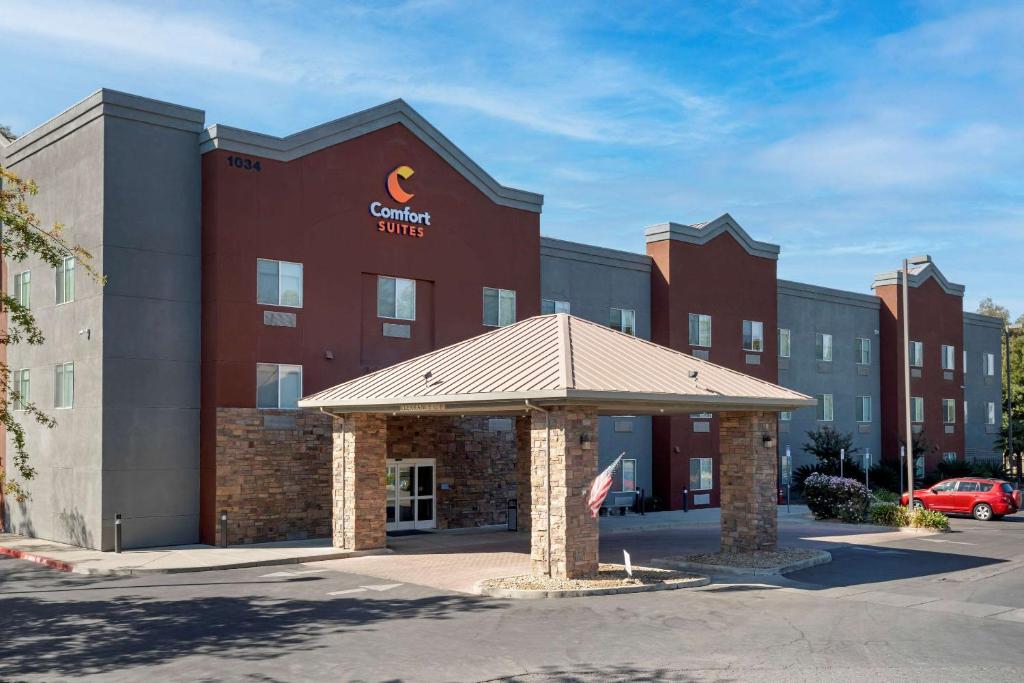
863, 409
990, 364
965, 412
916, 409
948, 410
823, 346
700, 474
23, 289
863, 351
963, 363
65, 280
553, 306
965, 486
916, 350
785, 342
990, 413
499, 307
919, 467
985, 488
278, 283
948, 357
22, 387
786, 415
64, 386
825, 407
945, 486
949, 457
623, 320
278, 386
629, 475
700, 329
753, 335
396, 298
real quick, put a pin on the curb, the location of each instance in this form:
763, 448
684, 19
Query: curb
921, 531
822, 557
59, 565
73, 568
523, 594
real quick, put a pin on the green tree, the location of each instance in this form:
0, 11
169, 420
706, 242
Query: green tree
1016, 383
826, 444
21, 237
6, 132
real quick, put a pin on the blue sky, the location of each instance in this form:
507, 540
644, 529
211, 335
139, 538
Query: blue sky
852, 134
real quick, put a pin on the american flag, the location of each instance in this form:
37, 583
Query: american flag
601, 486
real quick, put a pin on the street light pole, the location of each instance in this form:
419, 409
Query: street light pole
906, 386
1009, 406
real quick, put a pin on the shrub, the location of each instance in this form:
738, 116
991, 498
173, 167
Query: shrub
885, 476
851, 470
885, 496
835, 497
889, 514
929, 519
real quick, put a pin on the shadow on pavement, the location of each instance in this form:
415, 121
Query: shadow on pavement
854, 565
76, 638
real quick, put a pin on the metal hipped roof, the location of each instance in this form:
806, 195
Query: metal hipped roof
555, 359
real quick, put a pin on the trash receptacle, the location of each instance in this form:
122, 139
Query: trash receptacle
512, 515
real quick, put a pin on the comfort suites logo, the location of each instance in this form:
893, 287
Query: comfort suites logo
399, 221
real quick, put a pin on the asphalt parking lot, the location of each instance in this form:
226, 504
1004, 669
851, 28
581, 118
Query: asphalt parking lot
915, 608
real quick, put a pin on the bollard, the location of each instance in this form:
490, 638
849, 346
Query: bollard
117, 533
512, 514
223, 529
686, 500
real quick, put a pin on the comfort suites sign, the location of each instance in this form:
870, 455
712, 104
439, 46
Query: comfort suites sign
400, 221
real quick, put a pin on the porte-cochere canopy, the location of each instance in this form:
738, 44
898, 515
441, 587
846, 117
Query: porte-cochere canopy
553, 360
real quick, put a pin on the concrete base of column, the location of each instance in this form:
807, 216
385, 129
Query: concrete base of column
748, 472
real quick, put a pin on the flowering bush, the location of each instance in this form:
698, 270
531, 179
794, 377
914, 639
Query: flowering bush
836, 497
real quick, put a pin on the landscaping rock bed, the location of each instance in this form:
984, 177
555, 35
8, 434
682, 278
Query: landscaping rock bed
609, 579
761, 563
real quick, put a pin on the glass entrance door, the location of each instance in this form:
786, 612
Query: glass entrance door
410, 494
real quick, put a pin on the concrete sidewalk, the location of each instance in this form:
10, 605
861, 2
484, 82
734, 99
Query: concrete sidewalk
676, 519
168, 560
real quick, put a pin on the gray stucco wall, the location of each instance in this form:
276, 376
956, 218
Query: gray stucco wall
594, 280
806, 310
982, 334
66, 494
122, 172
151, 342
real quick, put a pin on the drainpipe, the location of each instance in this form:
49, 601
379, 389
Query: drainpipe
547, 473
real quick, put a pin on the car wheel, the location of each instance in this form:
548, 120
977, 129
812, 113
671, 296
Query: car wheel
982, 512
918, 505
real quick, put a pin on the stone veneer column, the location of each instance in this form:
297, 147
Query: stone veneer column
523, 483
360, 453
572, 535
748, 473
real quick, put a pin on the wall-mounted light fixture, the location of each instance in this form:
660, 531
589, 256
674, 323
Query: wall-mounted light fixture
584, 438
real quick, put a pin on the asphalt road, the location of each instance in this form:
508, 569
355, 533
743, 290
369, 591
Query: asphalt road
906, 610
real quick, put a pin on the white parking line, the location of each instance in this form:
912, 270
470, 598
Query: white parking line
346, 592
878, 551
939, 540
293, 573
383, 587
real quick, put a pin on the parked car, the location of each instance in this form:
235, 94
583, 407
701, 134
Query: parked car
984, 499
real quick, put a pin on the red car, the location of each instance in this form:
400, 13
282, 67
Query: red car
984, 499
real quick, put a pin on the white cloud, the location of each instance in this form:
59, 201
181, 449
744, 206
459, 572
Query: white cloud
121, 32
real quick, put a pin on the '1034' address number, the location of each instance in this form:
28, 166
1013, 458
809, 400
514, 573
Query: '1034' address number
243, 163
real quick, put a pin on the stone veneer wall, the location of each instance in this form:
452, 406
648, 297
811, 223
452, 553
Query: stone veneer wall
748, 470
476, 464
273, 474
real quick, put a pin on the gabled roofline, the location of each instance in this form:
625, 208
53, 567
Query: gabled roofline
925, 268
705, 232
355, 125
103, 102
